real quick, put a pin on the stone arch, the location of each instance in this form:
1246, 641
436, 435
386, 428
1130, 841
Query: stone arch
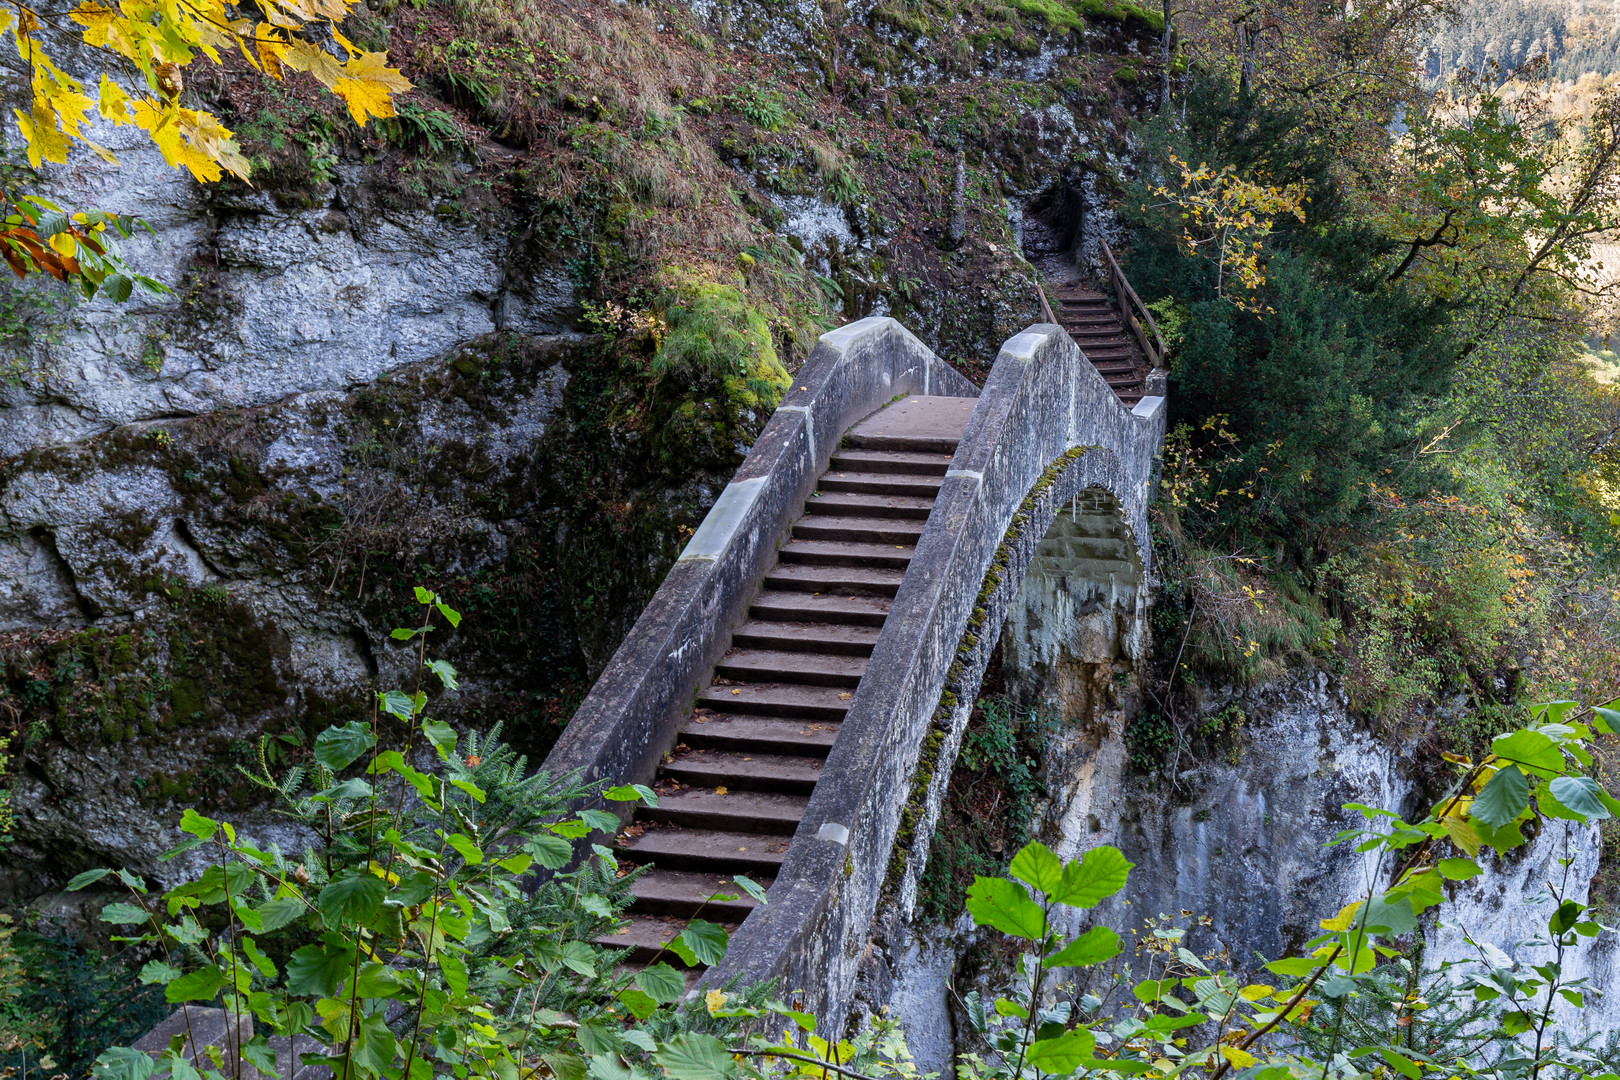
1078, 618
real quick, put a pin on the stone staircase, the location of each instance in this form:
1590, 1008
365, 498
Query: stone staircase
1097, 326
735, 787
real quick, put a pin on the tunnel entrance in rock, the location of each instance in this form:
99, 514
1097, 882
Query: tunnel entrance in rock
1077, 627
1052, 220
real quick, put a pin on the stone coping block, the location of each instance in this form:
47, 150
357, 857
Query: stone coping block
1042, 399
632, 715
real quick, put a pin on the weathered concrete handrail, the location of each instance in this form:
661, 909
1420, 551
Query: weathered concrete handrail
1043, 399
630, 719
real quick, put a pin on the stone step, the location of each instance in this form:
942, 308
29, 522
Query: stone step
645, 935
835, 580
915, 423
859, 530
744, 811
814, 637
926, 487
670, 847
799, 607
685, 894
840, 553
772, 699
849, 504
802, 668
766, 734
733, 770
891, 461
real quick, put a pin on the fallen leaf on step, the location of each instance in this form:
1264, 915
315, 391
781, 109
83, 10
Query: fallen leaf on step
736, 691
845, 696
719, 791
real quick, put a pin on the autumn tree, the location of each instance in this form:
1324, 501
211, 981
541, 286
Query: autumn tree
142, 49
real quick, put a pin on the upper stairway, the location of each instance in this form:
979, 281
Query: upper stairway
748, 756
1097, 326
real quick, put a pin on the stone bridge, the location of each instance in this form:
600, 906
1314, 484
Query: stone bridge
797, 689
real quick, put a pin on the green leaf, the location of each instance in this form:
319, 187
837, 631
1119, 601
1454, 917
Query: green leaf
468, 850
400, 633
640, 1005
338, 747
1095, 946
1401, 1063
425, 596
89, 877
1094, 878
157, 973
117, 288
1503, 797
1004, 905
1389, 917
1531, 749
374, 1047
551, 852
124, 914
1035, 865
282, 911
266, 966
1580, 797
661, 982
318, 970
200, 985
398, 703
1296, 966
440, 734
706, 940
631, 793
1458, 869
451, 615
1606, 721
354, 898
751, 888
1504, 839
1062, 1055
696, 1057
376, 980
446, 673
455, 971
124, 1063
201, 827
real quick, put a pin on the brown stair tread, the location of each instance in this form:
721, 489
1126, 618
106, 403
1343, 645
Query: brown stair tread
773, 812
863, 611
880, 484
674, 848
685, 893
864, 530
892, 461
841, 580
751, 771
807, 636
853, 504
766, 734
645, 935
773, 699
813, 669
915, 422
847, 553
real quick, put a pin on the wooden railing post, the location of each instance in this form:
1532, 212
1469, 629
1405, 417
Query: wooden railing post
1135, 312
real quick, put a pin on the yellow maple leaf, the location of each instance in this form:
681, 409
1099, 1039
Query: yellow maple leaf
1344, 918
1240, 1059
164, 126
368, 86
715, 1000
114, 102
45, 141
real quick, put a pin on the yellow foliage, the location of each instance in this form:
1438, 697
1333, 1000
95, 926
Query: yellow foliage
159, 38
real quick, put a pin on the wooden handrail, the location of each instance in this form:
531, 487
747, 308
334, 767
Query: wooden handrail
1134, 311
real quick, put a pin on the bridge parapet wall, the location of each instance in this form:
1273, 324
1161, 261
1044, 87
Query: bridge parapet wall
1045, 428
631, 717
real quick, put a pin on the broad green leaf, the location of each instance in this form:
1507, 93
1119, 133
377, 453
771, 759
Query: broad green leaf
551, 852
1503, 797
706, 940
318, 970
355, 897
425, 596
124, 914
1606, 720
1298, 966
469, 851
1098, 875
1458, 869
201, 985
266, 966
89, 877
257, 1053
1389, 917
751, 888
661, 982
696, 1057
1504, 839
375, 1046
158, 973
201, 827
124, 1063
455, 971
631, 793
1035, 865
1095, 946
1530, 749
1578, 798
440, 734
446, 672
1062, 1055
451, 615
600, 820
282, 911
376, 980
1004, 905
398, 703
640, 1005
338, 747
